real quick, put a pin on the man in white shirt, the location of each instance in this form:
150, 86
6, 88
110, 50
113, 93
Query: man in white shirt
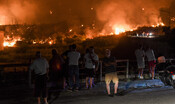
41, 68
73, 58
140, 56
91, 64
151, 61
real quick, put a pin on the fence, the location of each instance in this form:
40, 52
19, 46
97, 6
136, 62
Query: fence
121, 66
13, 73
20, 71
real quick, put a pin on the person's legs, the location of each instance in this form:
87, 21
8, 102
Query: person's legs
91, 75
141, 72
108, 88
76, 69
44, 89
37, 89
152, 71
90, 82
45, 100
70, 77
39, 100
108, 80
115, 81
87, 82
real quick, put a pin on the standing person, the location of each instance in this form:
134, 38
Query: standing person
66, 66
41, 69
140, 56
91, 63
73, 58
56, 72
151, 61
109, 63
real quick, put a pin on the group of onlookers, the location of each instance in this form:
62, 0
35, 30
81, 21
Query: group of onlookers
140, 56
64, 69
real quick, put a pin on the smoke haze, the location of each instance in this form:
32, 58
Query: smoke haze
114, 13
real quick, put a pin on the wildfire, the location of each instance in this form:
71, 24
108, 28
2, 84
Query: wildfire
11, 41
119, 30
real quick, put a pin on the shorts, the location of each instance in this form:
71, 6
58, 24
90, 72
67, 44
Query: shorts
152, 63
111, 77
40, 86
89, 72
141, 64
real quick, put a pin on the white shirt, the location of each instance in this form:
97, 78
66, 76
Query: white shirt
40, 66
73, 57
150, 55
140, 55
88, 60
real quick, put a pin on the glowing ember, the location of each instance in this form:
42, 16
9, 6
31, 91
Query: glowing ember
70, 30
51, 42
51, 12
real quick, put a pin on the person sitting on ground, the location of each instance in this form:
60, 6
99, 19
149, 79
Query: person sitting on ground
109, 66
41, 68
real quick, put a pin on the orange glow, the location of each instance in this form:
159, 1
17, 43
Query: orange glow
70, 30
51, 42
119, 30
10, 42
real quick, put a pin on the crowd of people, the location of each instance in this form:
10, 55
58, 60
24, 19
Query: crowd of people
63, 70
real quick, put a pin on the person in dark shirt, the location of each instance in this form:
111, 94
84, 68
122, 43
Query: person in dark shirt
56, 72
109, 66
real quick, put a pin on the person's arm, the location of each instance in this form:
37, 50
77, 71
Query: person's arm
110, 63
62, 60
47, 68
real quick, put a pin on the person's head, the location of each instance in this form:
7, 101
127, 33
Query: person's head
140, 46
91, 49
74, 47
54, 52
70, 47
87, 50
107, 53
38, 54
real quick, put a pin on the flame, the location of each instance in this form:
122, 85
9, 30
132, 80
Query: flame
51, 42
119, 30
10, 42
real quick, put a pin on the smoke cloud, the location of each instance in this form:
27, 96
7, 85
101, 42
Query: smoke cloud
130, 13
44, 11
112, 13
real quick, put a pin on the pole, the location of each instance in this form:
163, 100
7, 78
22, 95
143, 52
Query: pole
101, 71
127, 69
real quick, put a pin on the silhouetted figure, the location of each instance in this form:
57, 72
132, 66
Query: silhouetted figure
41, 67
140, 56
56, 72
66, 66
73, 58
